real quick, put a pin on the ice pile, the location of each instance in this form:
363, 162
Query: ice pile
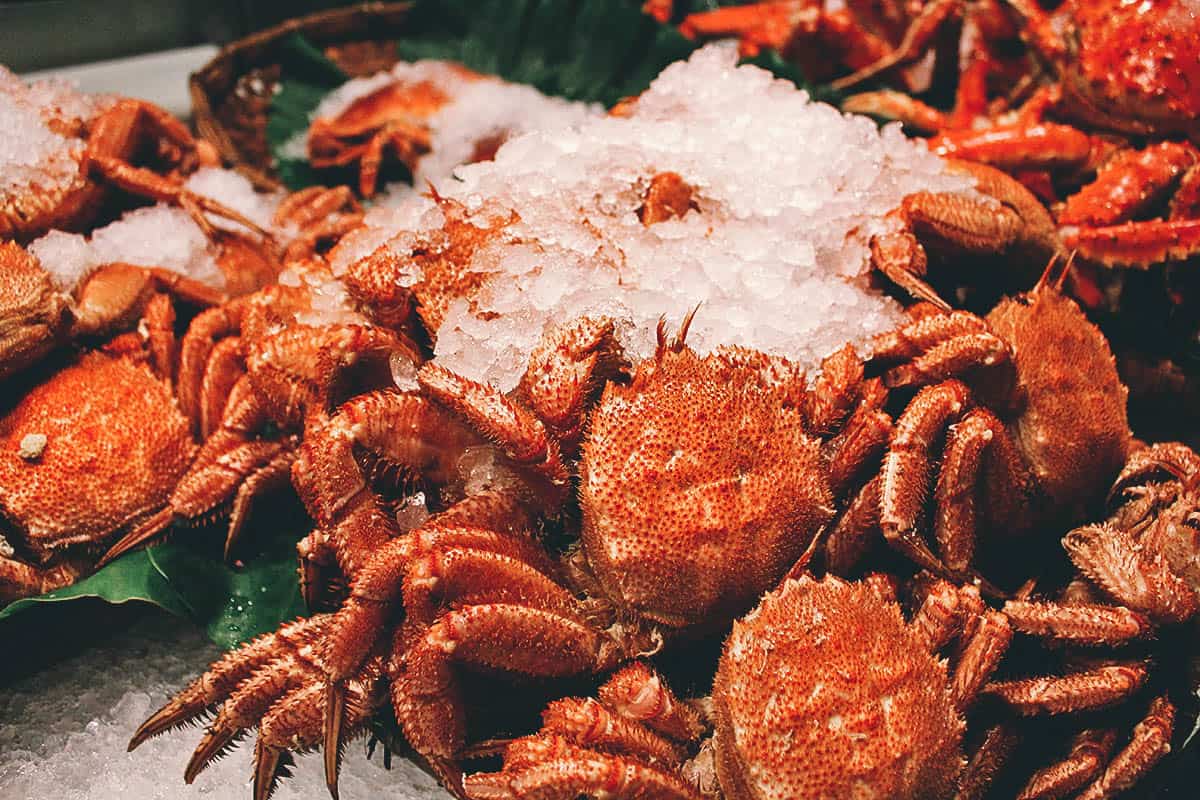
157, 236
31, 154
479, 108
788, 192
65, 732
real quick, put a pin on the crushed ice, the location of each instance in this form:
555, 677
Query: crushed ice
789, 193
66, 728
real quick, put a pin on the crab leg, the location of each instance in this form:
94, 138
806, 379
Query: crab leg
758, 26
978, 434
587, 723
225, 368
1170, 459
1136, 244
907, 466
939, 617
1128, 183
1151, 741
223, 677
892, 105
986, 763
1083, 691
313, 204
1089, 751
1078, 623
854, 530
519, 434
554, 769
936, 347
1042, 145
636, 692
195, 350
918, 36
425, 692
150, 184
985, 646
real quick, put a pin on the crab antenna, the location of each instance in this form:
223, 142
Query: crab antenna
1055, 274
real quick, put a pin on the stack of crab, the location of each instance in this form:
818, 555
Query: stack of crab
517, 469
1092, 105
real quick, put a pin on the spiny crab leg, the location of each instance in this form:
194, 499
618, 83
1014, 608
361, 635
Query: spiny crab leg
1090, 751
1136, 244
1100, 687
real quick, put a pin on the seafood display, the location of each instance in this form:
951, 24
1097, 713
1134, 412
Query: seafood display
773, 453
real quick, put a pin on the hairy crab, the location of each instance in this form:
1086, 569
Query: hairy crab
253, 373
391, 118
824, 690
88, 453
741, 468
1032, 432
1143, 557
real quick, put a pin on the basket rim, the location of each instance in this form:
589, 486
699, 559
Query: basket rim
238, 56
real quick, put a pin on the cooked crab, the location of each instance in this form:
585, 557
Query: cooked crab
869, 39
1123, 68
1032, 432
690, 510
1144, 558
80, 146
822, 691
36, 315
87, 454
253, 373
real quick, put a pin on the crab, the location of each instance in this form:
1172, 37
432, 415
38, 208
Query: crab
1143, 557
1031, 434
870, 39
99, 139
395, 118
748, 463
88, 453
824, 690
36, 315
200, 434
253, 374
1124, 72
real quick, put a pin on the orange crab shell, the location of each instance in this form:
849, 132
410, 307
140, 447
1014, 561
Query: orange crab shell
1136, 66
824, 691
94, 448
696, 476
1073, 450
32, 310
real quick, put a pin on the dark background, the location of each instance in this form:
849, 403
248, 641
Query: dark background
39, 34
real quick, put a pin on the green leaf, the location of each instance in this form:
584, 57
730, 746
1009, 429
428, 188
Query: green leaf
133, 578
186, 577
588, 50
310, 76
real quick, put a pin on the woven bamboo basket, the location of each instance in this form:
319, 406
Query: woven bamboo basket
231, 95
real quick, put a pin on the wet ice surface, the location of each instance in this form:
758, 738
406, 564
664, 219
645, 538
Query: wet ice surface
65, 730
